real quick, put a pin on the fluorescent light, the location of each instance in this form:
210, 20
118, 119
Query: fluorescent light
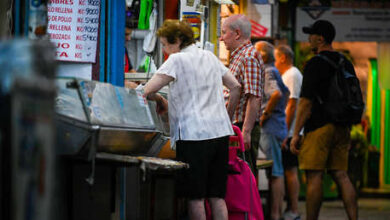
227, 2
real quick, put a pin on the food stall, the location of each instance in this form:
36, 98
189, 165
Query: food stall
108, 139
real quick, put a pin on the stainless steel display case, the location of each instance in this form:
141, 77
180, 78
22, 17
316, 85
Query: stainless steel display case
108, 138
99, 117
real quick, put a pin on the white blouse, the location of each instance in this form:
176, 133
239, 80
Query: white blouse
196, 104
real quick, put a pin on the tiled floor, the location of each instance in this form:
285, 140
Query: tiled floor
369, 209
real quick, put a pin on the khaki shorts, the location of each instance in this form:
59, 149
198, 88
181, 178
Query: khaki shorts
325, 148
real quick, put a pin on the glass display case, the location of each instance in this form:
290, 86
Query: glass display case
107, 118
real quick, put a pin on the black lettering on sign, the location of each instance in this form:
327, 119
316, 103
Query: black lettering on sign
91, 20
89, 37
91, 29
93, 2
92, 11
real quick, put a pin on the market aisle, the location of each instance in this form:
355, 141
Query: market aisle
369, 209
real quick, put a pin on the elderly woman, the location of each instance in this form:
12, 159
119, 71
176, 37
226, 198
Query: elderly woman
199, 121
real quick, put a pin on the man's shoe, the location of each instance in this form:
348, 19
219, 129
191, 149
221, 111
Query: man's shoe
291, 216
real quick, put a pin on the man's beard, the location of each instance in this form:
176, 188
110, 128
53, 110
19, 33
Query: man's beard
314, 50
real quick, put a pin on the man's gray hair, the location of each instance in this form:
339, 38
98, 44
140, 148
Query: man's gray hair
287, 51
241, 22
266, 49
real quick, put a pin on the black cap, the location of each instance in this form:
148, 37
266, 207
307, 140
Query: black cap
323, 28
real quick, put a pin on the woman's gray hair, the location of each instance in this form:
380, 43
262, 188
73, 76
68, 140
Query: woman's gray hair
242, 23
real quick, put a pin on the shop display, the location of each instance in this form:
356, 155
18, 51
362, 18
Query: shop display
119, 118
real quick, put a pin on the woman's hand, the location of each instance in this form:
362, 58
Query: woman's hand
162, 105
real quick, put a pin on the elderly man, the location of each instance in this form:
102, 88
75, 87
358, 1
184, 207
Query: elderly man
273, 124
247, 66
292, 78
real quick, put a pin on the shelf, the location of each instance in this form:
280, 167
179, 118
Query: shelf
143, 77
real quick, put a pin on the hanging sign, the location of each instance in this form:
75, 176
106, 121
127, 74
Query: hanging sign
352, 24
73, 28
189, 13
260, 16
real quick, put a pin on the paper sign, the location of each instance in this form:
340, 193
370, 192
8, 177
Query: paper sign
258, 30
73, 27
260, 16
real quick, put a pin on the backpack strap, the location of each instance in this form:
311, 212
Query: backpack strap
331, 62
335, 65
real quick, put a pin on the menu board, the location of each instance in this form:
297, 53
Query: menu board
73, 27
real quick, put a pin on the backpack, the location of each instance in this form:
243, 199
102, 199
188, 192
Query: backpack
344, 101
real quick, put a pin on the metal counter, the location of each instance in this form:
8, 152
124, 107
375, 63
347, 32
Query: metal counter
108, 138
111, 119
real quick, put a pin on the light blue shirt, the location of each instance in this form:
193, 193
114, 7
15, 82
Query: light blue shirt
276, 124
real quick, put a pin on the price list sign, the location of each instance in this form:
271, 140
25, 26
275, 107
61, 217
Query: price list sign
73, 28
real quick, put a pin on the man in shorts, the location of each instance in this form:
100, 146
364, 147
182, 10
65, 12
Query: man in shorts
292, 78
273, 125
325, 144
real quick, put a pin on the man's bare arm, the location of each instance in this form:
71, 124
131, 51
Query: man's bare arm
304, 111
252, 110
290, 112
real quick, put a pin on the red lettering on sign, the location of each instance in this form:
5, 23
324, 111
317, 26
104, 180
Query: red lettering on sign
81, 11
52, 18
63, 45
79, 46
77, 55
82, 2
61, 54
70, 2
80, 29
80, 20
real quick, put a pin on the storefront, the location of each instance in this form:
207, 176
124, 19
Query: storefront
86, 181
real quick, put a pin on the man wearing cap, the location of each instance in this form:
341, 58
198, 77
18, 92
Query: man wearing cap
325, 144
